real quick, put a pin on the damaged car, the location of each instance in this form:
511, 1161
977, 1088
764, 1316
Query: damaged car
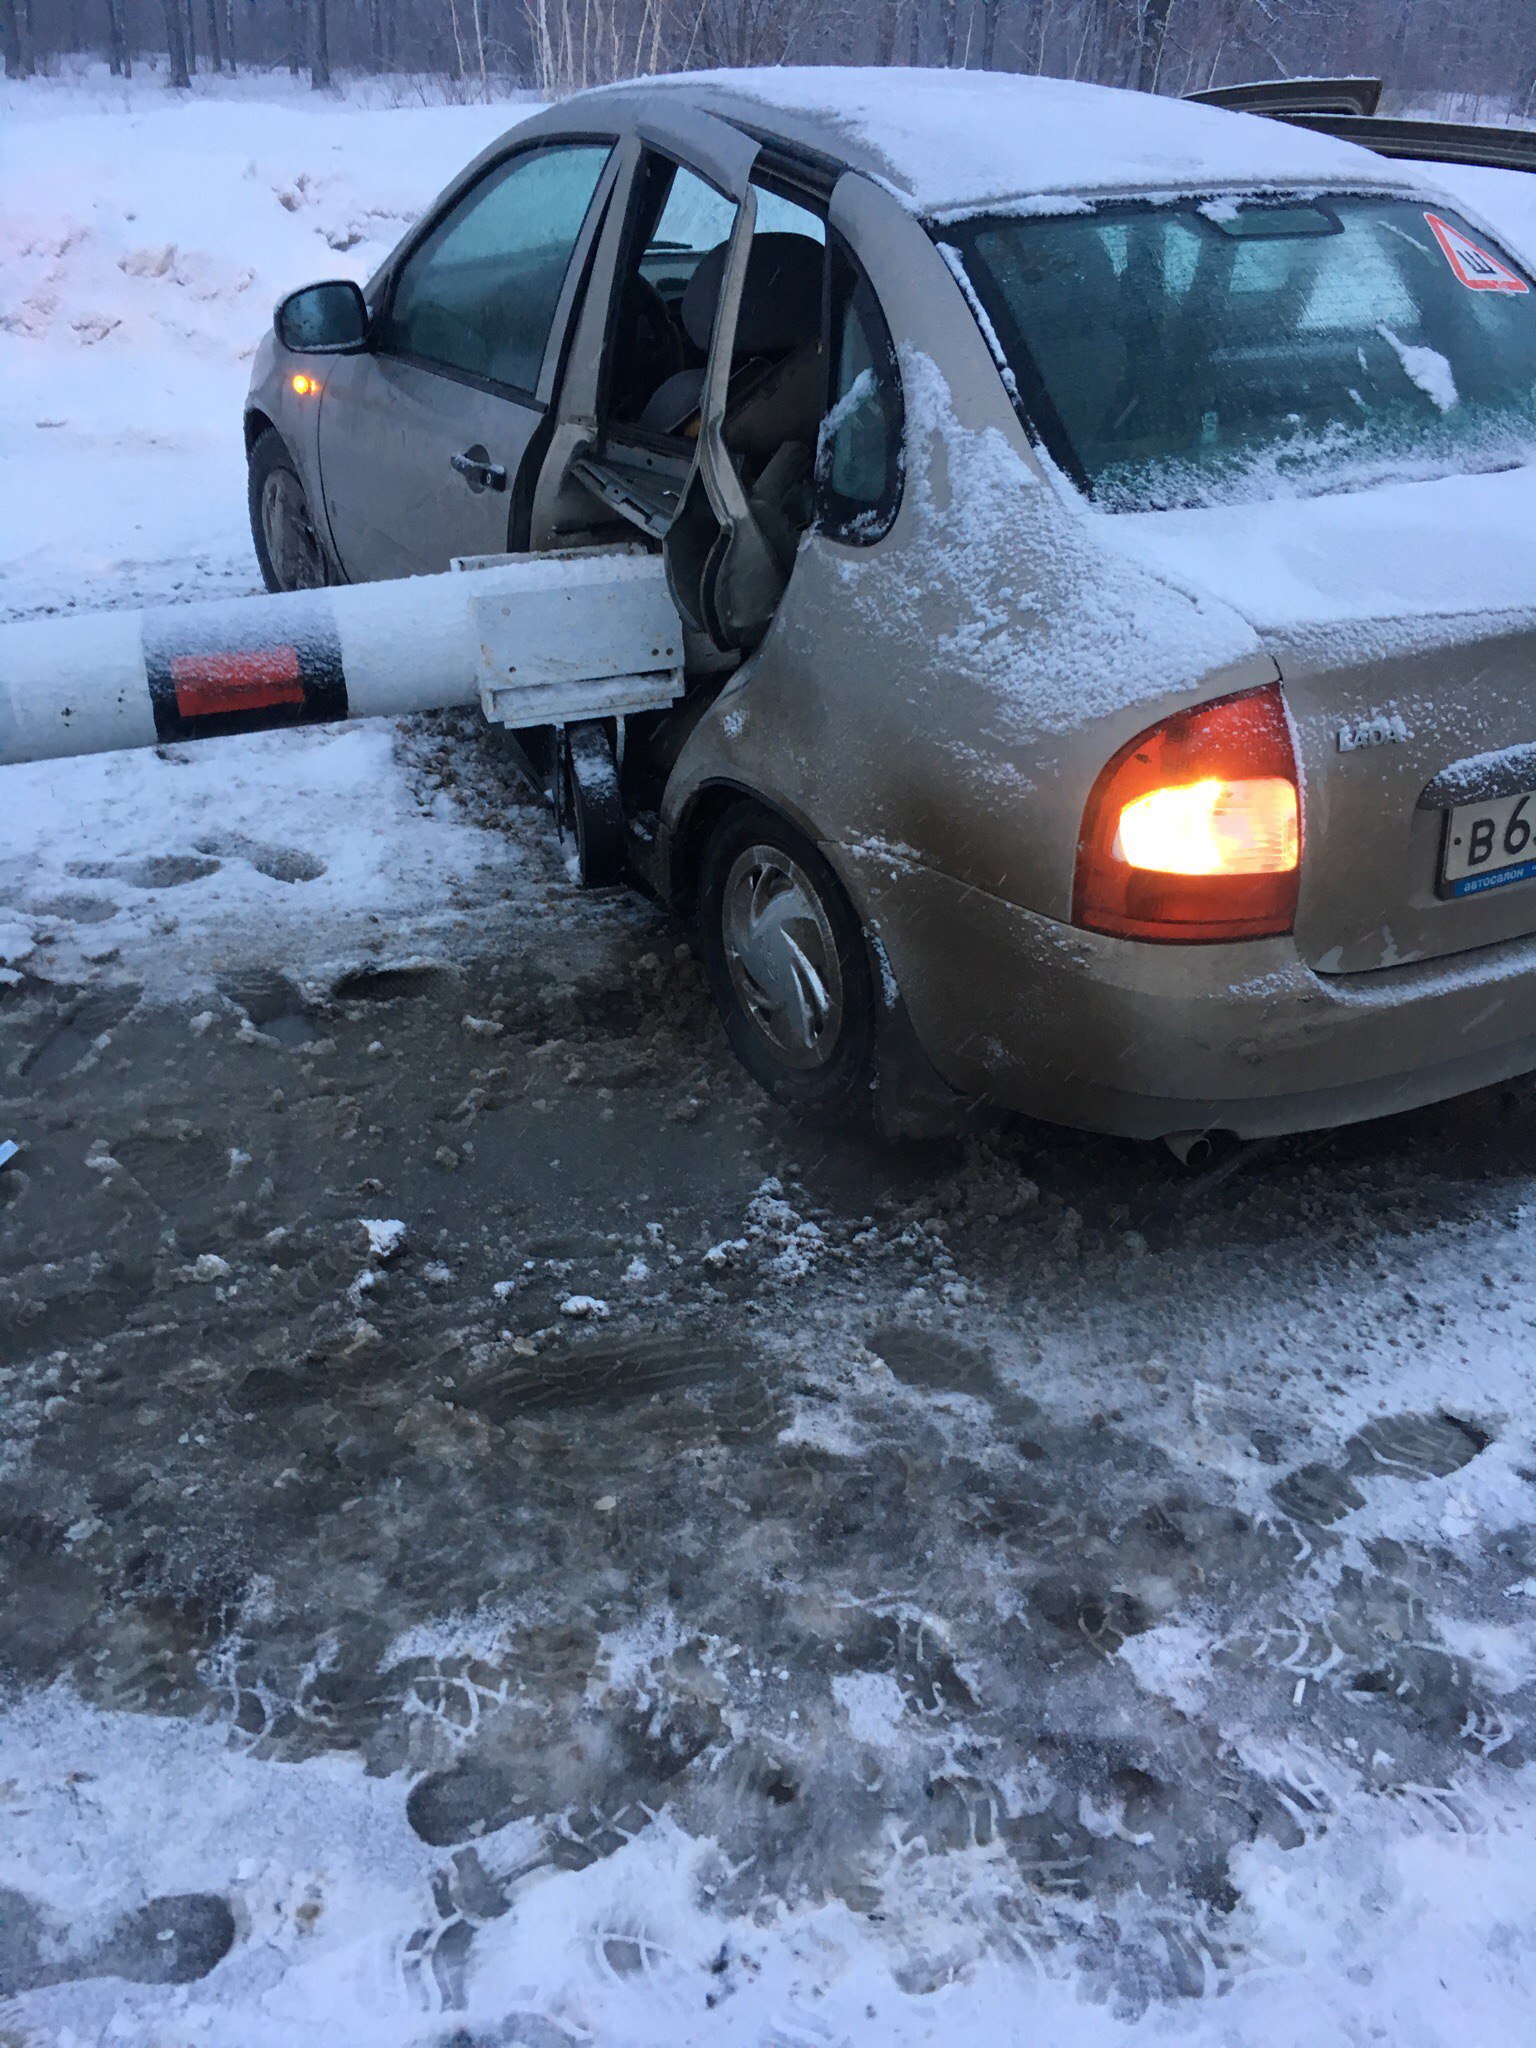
1100, 531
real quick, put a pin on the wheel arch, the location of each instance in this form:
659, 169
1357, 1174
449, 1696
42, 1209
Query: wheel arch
704, 809
702, 812
258, 427
257, 423
912, 1096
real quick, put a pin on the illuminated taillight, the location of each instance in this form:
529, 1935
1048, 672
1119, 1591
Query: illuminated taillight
1193, 831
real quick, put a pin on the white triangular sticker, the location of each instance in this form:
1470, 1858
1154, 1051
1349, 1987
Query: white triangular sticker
1477, 270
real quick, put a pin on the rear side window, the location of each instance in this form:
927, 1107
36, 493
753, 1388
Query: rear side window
480, 293
859, 459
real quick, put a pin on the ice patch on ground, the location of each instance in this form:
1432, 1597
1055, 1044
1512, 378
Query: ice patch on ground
1173, 1660
627, 1659
874, 1703
483, 1637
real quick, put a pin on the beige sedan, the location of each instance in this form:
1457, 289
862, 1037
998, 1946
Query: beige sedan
1102, 532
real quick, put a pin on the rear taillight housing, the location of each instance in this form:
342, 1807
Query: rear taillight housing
1192, 834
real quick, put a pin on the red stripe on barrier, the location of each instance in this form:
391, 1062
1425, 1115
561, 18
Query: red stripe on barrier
259, 679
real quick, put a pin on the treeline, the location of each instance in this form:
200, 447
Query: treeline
1423, 48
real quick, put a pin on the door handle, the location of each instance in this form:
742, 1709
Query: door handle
478, 470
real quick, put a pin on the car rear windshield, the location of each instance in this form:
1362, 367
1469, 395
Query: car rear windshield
1200, 353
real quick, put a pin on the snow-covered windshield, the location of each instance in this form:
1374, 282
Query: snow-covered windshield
1203, 352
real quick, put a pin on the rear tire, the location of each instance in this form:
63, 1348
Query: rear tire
786, 958
283, 529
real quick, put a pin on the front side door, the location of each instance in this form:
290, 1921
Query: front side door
423, 435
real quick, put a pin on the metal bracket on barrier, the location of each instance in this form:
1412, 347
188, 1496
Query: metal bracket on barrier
591, 633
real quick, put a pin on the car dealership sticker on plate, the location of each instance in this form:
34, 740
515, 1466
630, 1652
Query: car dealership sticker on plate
1488, 845
1477, 270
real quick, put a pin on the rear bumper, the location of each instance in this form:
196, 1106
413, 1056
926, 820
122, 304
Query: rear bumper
1143, 1040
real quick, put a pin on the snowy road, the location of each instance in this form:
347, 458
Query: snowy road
505, 1538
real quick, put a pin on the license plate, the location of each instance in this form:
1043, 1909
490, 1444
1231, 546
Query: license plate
1489, 845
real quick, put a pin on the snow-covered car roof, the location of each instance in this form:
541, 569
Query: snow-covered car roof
953, 142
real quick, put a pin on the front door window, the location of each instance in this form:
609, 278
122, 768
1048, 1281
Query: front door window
478, 297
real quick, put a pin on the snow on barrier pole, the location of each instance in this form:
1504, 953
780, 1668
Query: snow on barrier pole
532, 639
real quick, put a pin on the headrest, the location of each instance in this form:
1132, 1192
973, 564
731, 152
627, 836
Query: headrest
780, 302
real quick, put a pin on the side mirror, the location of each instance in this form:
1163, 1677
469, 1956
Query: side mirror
322, 318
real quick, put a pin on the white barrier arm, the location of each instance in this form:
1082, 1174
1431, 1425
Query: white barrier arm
533, 639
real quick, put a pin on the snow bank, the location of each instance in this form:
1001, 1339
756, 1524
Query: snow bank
142, 245
143, 241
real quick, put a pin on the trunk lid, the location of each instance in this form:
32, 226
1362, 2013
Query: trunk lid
1403, 621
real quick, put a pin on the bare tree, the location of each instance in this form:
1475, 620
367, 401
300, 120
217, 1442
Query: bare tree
119, 62
1425, 49
991, 11
739, 32
176, 44
18, 42
319, 46
1151, 34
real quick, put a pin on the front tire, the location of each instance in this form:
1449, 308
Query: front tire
591, 804
282, 526
786, 959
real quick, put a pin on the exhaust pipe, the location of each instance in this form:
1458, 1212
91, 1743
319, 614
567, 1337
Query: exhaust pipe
533, 639
1191, 1148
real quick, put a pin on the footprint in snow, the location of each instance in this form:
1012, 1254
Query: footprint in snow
171, 1940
